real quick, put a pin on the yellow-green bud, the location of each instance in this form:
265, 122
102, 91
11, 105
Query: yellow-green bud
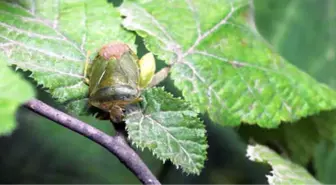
147, 69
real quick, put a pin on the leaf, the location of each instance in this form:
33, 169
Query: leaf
284, 23
307, 134
51, 39
322, 157
226, 163
221, 65
283, 171
325, 162
170, 129
14, 92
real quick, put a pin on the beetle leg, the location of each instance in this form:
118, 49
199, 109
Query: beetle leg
86, 79
116, 114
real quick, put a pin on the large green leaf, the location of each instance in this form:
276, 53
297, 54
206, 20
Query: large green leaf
51, 38
170, 129
304, 32
221, 65
291, 27
283, 171
14, 91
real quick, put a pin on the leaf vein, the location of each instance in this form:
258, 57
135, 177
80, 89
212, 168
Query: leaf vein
140, 128
168, 40
156, 23
30, 34
33, 7
210, 31
47, 53
57, 16
42, 69
76, 85
177, 141
44, 22
195, 16
84, 22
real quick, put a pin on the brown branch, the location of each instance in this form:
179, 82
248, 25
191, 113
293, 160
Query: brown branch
117, 144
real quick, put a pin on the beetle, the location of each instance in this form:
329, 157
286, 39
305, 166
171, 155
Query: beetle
116, 77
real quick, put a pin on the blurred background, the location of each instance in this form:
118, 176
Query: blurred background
303, 31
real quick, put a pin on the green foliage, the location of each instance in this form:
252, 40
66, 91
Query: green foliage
310, 45
55, 52
170, 128
284, 24
222, 66
14, 91
325, 162
306, 133
283, 171
52, 39
219, 61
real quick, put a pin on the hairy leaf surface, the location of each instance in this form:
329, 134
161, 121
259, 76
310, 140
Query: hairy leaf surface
51, 38
222, 65
170, 129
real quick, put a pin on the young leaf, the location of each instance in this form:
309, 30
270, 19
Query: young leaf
222, 65
283, 171
147, 67
170, 129
51, 39
14, 91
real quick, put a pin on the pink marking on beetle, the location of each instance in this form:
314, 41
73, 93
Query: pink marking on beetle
114, 49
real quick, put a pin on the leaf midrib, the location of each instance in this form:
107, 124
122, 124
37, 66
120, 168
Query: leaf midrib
176, 140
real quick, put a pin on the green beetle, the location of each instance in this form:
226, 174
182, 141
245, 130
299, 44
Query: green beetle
116, 78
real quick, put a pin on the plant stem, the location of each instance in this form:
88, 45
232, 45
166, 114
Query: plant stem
117, 144
160, 76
